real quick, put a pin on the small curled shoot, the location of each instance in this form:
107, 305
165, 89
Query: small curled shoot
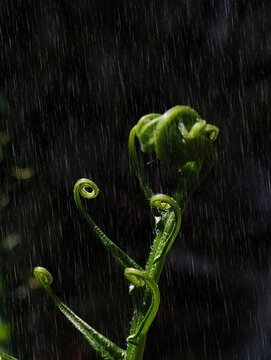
212, 131
135, 277
102, 345
83, 185
166, 203
43, 276
4, 356
80, 189
139, 279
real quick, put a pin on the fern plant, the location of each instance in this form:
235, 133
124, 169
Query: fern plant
180, 139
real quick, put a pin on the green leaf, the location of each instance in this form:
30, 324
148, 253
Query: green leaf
104, 347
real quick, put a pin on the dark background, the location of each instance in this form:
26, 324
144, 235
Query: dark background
77, 76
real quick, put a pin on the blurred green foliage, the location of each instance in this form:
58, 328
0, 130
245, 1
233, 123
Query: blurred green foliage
4, 200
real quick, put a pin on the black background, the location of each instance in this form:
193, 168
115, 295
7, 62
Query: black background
78, 75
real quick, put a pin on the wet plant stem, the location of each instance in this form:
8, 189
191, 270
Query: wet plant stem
142, 300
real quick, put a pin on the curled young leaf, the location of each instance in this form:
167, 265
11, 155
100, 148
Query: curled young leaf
104, 347
89, 190
139, 279
166, 203
176, 137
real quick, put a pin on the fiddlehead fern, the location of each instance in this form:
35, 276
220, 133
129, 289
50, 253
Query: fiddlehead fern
80, 189
102, 345
181, 140
83, 185
166, 203
176, 137
139, 279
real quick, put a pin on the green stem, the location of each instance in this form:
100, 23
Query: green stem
168, 230
139, 279
143, 317
166, 227
80, 189
166, 203
136, 351
143, 298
